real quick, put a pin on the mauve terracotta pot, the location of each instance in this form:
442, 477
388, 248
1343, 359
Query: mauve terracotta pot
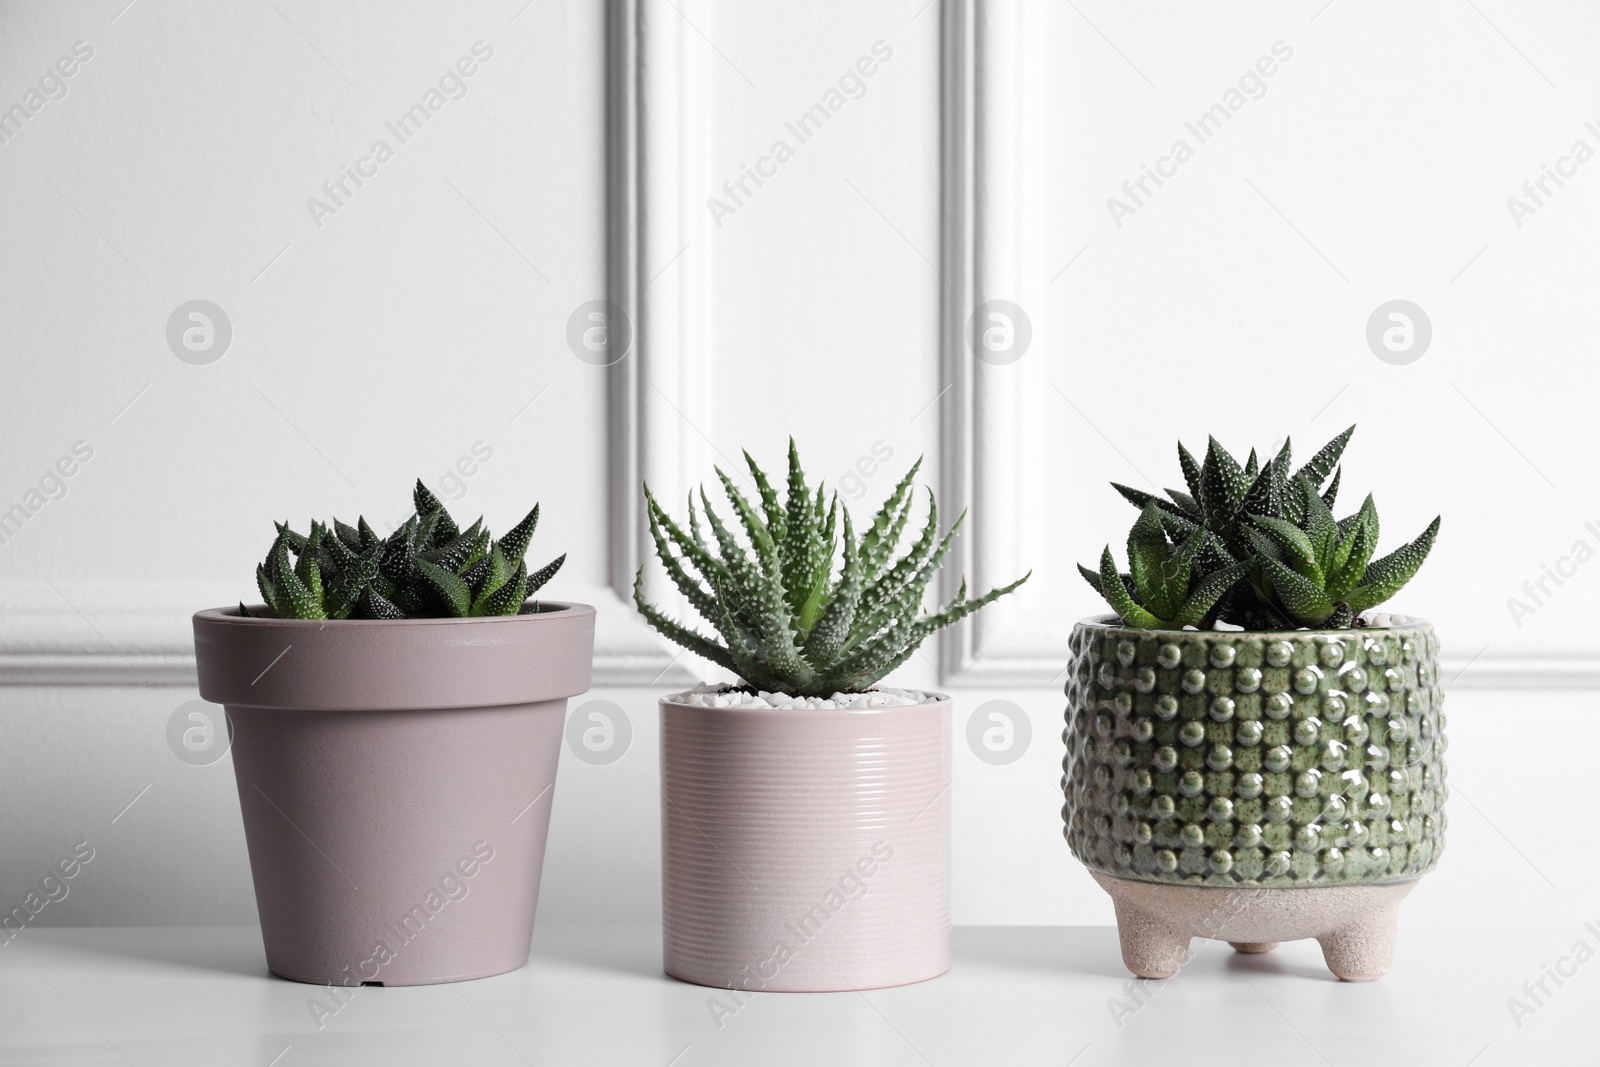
396, 779
805, 850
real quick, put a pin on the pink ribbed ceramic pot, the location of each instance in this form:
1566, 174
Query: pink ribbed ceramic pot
396, 779
805, 850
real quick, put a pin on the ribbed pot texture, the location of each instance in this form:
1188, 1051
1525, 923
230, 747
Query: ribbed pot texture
396, 780
805, 850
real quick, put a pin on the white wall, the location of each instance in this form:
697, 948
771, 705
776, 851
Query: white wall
1375, 164
426, 313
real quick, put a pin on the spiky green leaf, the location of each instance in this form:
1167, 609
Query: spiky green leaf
515, 543
1326, 458
1385, 577
1223, 485
1303, 599
1204, 595
1116, 595
1363, 540
506, 600
1297, 548
453, 593
538, 578
1148, 553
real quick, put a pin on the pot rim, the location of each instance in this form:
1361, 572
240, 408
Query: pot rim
939, 699
393, 664
229, 616
1114, 624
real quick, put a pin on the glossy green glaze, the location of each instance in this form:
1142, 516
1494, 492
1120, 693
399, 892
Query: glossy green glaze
1225, 758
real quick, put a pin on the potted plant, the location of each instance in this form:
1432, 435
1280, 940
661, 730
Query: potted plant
1252, 754
396, 707
805, 831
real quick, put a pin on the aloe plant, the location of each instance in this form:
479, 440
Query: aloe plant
427, 568
803, 606
1271, 536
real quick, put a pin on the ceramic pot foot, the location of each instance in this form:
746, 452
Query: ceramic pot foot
1151, 946
1253, 948
1361, 951
1355, 924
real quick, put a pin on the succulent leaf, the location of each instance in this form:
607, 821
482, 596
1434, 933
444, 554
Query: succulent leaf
447, 586
777, 519
1186, 505
297, 543
889, 586
1271, 555
427, 567
1093, 578
1307, 602
293, 593
1320, 528
1178, 570
1137, 497
1385, 577
374, 605
1297, 548
1116, 595
1206, 592
269, 595
345, 589
1191, 478
537, 579
692, 640
1265, 495
1363, 539
515, 543
833, 630
1330, 494
750, 592
506, 600
1147, 555
1223, 485
1326, 459
879, 541
800, 527
785, 620
760, 538
348, 535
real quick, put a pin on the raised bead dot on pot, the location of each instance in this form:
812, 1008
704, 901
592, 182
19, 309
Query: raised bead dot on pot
1293, 737
397, 706
805, 823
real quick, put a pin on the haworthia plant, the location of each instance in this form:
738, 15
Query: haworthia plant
1266, 536
802, 604
427, 568
1169, 586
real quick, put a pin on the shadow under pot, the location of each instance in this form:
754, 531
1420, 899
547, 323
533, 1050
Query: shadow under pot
805, 850
1256, 787
395, 779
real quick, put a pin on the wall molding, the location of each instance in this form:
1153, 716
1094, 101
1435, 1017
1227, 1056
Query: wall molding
994, 446
659, 114
994, 443
127, 642
657, 108
659, 395
992, 439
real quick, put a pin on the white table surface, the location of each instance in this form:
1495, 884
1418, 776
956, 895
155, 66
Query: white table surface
1014, 996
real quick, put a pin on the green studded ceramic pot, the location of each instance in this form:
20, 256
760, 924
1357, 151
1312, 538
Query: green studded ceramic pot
1224, 758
